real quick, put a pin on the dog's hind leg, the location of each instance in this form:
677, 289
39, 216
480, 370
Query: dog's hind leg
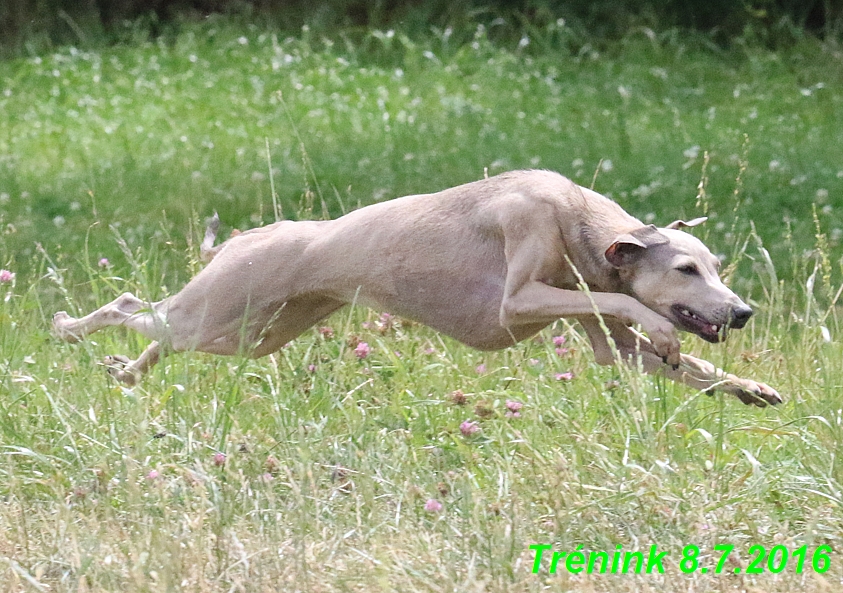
130, 371
127, 310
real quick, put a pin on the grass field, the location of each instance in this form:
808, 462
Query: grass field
313, 469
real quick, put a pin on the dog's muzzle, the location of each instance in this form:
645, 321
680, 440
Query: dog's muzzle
740, 315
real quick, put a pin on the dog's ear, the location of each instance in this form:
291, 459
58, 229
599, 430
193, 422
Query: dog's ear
630, 246
678, 224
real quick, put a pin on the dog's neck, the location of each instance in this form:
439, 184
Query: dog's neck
595, 237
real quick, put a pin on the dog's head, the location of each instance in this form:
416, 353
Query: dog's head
674, 274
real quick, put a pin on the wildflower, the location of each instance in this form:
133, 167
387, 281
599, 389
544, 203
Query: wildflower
103, 262
6, 276
513, 409
272, 464
326, 332
480, 368
152, 475
385, 322
468, 428
458, 397
362, 350
513, 406
433, 506
219, 459
558, 341
561, 351
430, 351
565, 376
534, 361
311, 368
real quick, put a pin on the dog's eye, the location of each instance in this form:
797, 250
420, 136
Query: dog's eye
689, 269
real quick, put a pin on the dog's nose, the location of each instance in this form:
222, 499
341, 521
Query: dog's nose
740, 315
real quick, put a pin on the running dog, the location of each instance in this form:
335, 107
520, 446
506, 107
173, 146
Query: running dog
488, 263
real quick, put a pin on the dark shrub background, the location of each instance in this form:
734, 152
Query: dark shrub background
33, 26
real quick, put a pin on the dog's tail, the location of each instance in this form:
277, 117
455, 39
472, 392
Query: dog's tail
207, 251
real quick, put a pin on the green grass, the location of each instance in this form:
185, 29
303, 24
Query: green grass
121, 153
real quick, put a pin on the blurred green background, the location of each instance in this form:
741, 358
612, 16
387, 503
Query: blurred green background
137, 120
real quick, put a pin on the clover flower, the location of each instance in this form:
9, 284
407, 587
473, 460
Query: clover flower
468, 428
433, 506
362, 350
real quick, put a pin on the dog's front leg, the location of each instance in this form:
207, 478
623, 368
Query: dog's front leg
701, 374
536, 302
694, 372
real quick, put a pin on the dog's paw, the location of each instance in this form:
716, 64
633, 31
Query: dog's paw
116, 367
665, 341
753, 393
61, 321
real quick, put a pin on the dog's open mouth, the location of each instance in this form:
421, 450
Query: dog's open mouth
691, 321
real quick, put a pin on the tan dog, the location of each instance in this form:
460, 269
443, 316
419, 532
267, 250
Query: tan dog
488, 263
